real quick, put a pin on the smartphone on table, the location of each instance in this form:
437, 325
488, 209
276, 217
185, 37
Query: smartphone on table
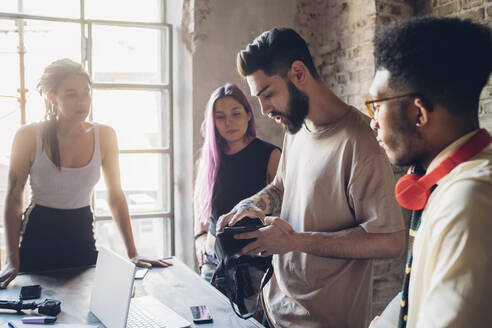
30, 292
201, 314
141, 272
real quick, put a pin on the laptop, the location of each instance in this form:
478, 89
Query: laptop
111, 300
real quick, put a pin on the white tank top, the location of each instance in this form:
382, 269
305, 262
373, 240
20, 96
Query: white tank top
68, 188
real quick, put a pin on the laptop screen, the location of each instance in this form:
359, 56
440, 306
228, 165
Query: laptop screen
112, 289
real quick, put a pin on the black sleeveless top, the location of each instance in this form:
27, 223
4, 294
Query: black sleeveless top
240, 176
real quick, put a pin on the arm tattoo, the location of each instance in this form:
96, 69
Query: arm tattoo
12, 182
275, 200
261, 204
244, 204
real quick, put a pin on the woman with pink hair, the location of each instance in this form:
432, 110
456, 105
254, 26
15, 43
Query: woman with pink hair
233, 165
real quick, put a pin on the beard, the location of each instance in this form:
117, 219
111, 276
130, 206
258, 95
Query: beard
297, 109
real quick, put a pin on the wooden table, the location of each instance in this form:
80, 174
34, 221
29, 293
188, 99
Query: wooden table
177, 286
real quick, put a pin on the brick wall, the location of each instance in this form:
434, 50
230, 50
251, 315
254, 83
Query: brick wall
339, 34
479, 11
388, 274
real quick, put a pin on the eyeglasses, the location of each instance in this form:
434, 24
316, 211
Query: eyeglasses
373, 106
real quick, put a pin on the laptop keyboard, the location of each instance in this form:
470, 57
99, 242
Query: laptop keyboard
138, 317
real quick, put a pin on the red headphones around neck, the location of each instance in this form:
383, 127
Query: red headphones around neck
412, 190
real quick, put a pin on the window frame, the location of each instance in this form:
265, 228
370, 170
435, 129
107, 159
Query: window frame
86, 29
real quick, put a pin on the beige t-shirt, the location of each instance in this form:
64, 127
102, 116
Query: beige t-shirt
335, 179
450, 283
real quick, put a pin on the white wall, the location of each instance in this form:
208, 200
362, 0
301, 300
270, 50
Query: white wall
224, 28
204, 57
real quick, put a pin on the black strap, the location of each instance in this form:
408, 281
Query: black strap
230, 287
243, 312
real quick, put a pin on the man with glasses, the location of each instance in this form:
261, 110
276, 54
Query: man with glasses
333, 190
429, 76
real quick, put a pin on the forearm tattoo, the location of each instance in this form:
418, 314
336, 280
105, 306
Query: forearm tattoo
12, 182
269, 201
261, 204
245, 204
274, 197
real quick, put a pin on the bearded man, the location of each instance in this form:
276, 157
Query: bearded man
333, 190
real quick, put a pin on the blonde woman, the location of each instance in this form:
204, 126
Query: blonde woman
63, 156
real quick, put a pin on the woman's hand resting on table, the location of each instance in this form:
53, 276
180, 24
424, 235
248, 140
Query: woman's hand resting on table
8, 274
145, 262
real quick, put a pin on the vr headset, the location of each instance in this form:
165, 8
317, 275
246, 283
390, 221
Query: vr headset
241, 278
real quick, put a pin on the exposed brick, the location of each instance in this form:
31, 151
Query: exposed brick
351, 89
338, 67
395, 10
367, 60
486, 122
486, 108
489, 12
341, 78
476, 15
486, 92
355, 100
354, 76
340, 37
446, 10
384, 20
355, 52
366, 74
468, 4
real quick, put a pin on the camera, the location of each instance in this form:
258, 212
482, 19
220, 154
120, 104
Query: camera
227, 245
48, 306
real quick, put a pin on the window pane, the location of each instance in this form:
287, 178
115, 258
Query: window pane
145, 182
9, 123
152, 237
124, 10
8, 6
46, 42
129, 54
57, 8
140, 118
9, 63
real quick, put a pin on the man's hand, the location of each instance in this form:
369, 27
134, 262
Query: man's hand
277, 237
200, 248
8, 274
243, 208
144, 262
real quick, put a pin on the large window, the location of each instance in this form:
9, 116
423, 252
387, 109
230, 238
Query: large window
126, 47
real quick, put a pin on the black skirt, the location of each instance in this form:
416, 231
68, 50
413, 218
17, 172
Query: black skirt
56, 239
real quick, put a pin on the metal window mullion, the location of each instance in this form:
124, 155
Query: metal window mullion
131, 86
85, 21
86, 57
171, 139
137, 216
146, 151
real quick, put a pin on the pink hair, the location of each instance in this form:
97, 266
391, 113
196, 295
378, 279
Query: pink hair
213, 145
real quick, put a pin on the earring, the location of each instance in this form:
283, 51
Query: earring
417, 124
